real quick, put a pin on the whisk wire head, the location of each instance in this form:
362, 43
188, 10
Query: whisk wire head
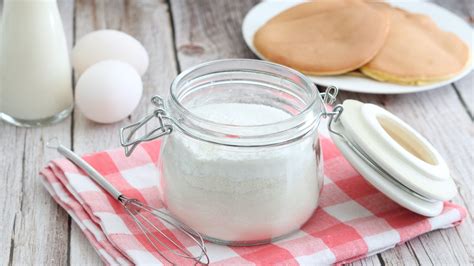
137, 211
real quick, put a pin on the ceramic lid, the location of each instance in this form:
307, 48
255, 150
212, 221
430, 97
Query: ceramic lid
393, 157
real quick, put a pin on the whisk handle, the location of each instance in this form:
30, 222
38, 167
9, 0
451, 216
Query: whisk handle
73, 157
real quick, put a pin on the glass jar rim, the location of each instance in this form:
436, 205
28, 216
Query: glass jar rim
305, 119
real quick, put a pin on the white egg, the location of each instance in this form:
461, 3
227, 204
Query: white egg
108, 91
109, 45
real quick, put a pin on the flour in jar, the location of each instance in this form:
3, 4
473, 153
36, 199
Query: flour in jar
241, 114
241, 194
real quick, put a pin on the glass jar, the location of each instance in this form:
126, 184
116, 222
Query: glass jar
240, 160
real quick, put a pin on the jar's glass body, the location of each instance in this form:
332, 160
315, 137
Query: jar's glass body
242, 184
240, 196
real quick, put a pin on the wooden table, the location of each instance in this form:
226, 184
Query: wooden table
179, 34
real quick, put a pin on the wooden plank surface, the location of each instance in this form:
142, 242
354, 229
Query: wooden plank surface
209, 30
148, 21
179, 34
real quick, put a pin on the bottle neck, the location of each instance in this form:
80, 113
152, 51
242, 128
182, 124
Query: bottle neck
29, 6
29, 1
31, 14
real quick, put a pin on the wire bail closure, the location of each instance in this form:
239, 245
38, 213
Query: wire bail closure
334, 116
329, 98
164, 127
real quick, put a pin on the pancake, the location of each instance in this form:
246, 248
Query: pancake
326, 37
416, 51
356, 73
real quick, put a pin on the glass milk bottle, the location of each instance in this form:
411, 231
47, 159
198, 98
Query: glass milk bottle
35, 73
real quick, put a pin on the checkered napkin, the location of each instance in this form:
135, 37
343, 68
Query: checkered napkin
353, 220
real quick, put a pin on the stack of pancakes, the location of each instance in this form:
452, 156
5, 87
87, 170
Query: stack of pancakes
329, 37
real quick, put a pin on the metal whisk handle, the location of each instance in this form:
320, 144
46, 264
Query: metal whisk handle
89, 170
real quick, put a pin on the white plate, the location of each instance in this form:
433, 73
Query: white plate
446, 20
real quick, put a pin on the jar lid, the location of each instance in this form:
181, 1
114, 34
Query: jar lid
393, 157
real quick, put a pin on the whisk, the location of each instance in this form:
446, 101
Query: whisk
139, 211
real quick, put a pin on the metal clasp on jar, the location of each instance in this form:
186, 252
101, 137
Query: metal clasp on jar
164, 127
329, 98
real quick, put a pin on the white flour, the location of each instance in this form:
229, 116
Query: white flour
241, 114
240, 194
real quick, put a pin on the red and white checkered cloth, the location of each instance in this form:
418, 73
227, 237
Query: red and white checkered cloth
353, 220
